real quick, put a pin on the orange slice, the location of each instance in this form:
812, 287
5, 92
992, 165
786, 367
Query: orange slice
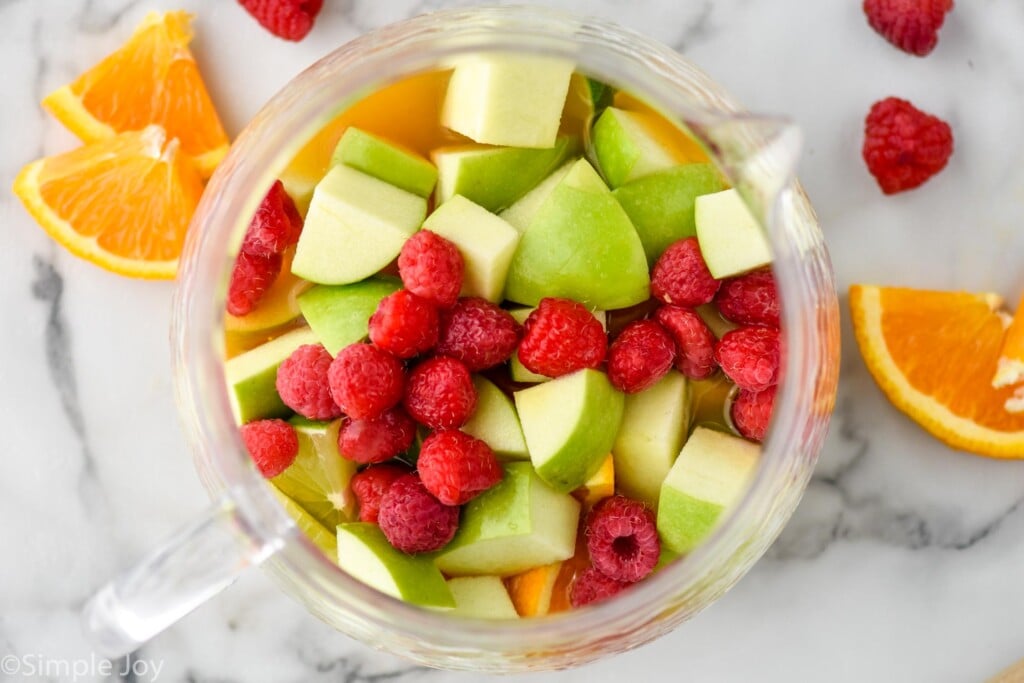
123, 203
152, 78
934, 355
532, 590
1010, 369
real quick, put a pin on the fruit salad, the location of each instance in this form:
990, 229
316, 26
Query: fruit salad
503, 339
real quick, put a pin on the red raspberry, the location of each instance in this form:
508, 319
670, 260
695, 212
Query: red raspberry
413, 520
904, 146
251, 277
440, 393
457, 467
750, 299
752, 411
478, 333
272, 444
288, 19
640, 356
404, 324
365, 381
431, 267
749, 356
302, 383
911, 25
275, 226
370, 485
593, 586
622, 539
681, 277
560, 337
695, 343
376, 440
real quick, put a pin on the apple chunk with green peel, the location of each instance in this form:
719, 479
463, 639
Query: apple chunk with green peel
521, 213
519, 523
355, 226
339, 314
365, 554
385, 161
731, 240
486, 242
625, 147
570, 424
654, 427
495, 422
319, 478
711, 473
660, 205
481, 597
580, 245
495, 177
507, 99
252, 377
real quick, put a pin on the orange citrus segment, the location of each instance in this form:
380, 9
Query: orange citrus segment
123, 203
531, 591
934, 355
601, 485
152, 78
1010, 369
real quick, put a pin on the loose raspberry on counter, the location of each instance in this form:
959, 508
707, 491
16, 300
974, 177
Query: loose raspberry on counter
478, 333
272, 444
641, 355
440, 393
404, 325
904, 146
591, 586
750, 299
251, 277
561, 336
413, 520
431, 267
752, 412
376, 440
369, 486
681, 277
302, 383
750, 357
288, 19
622, 539
275, 226
457, 467
365, 381
911, 25
695, 342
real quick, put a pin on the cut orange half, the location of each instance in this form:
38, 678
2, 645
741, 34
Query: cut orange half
151, 79
934, 355
1010, 369
123, 203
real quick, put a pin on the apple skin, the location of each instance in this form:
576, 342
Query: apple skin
385, 161
481, 597
625, 147
252, 377
521, 213
340, 314
731, 240
580, 245
496, 422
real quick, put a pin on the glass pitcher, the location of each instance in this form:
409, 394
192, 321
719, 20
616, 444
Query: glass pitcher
247, 526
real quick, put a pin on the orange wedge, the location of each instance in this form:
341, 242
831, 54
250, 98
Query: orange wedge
532, 590
152, 78
934, 355
123, 203
1010, 369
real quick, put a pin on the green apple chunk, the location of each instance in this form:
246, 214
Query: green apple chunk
339, 314
516, 369
385, 161
654, 427
364, 552
580, 245
506, 99
495, 177
318, 480
625, 147
731, 239
570, 425
660, 205
495, 422
518, 524
710, 474
486, 242
252, 376
481, 597
355, 226
521, 214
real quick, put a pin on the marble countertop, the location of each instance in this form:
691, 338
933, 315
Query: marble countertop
903, 563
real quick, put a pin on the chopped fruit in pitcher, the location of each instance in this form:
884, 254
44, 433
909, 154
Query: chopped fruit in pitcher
527, 370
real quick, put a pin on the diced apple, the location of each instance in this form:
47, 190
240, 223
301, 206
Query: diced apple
731, 240
385, 161
626, 148
252, 376
339, 314
481, 597
521, 214
495, 422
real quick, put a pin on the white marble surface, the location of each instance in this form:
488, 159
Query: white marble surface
902, 564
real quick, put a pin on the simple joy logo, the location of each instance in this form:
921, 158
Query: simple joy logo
82, 668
